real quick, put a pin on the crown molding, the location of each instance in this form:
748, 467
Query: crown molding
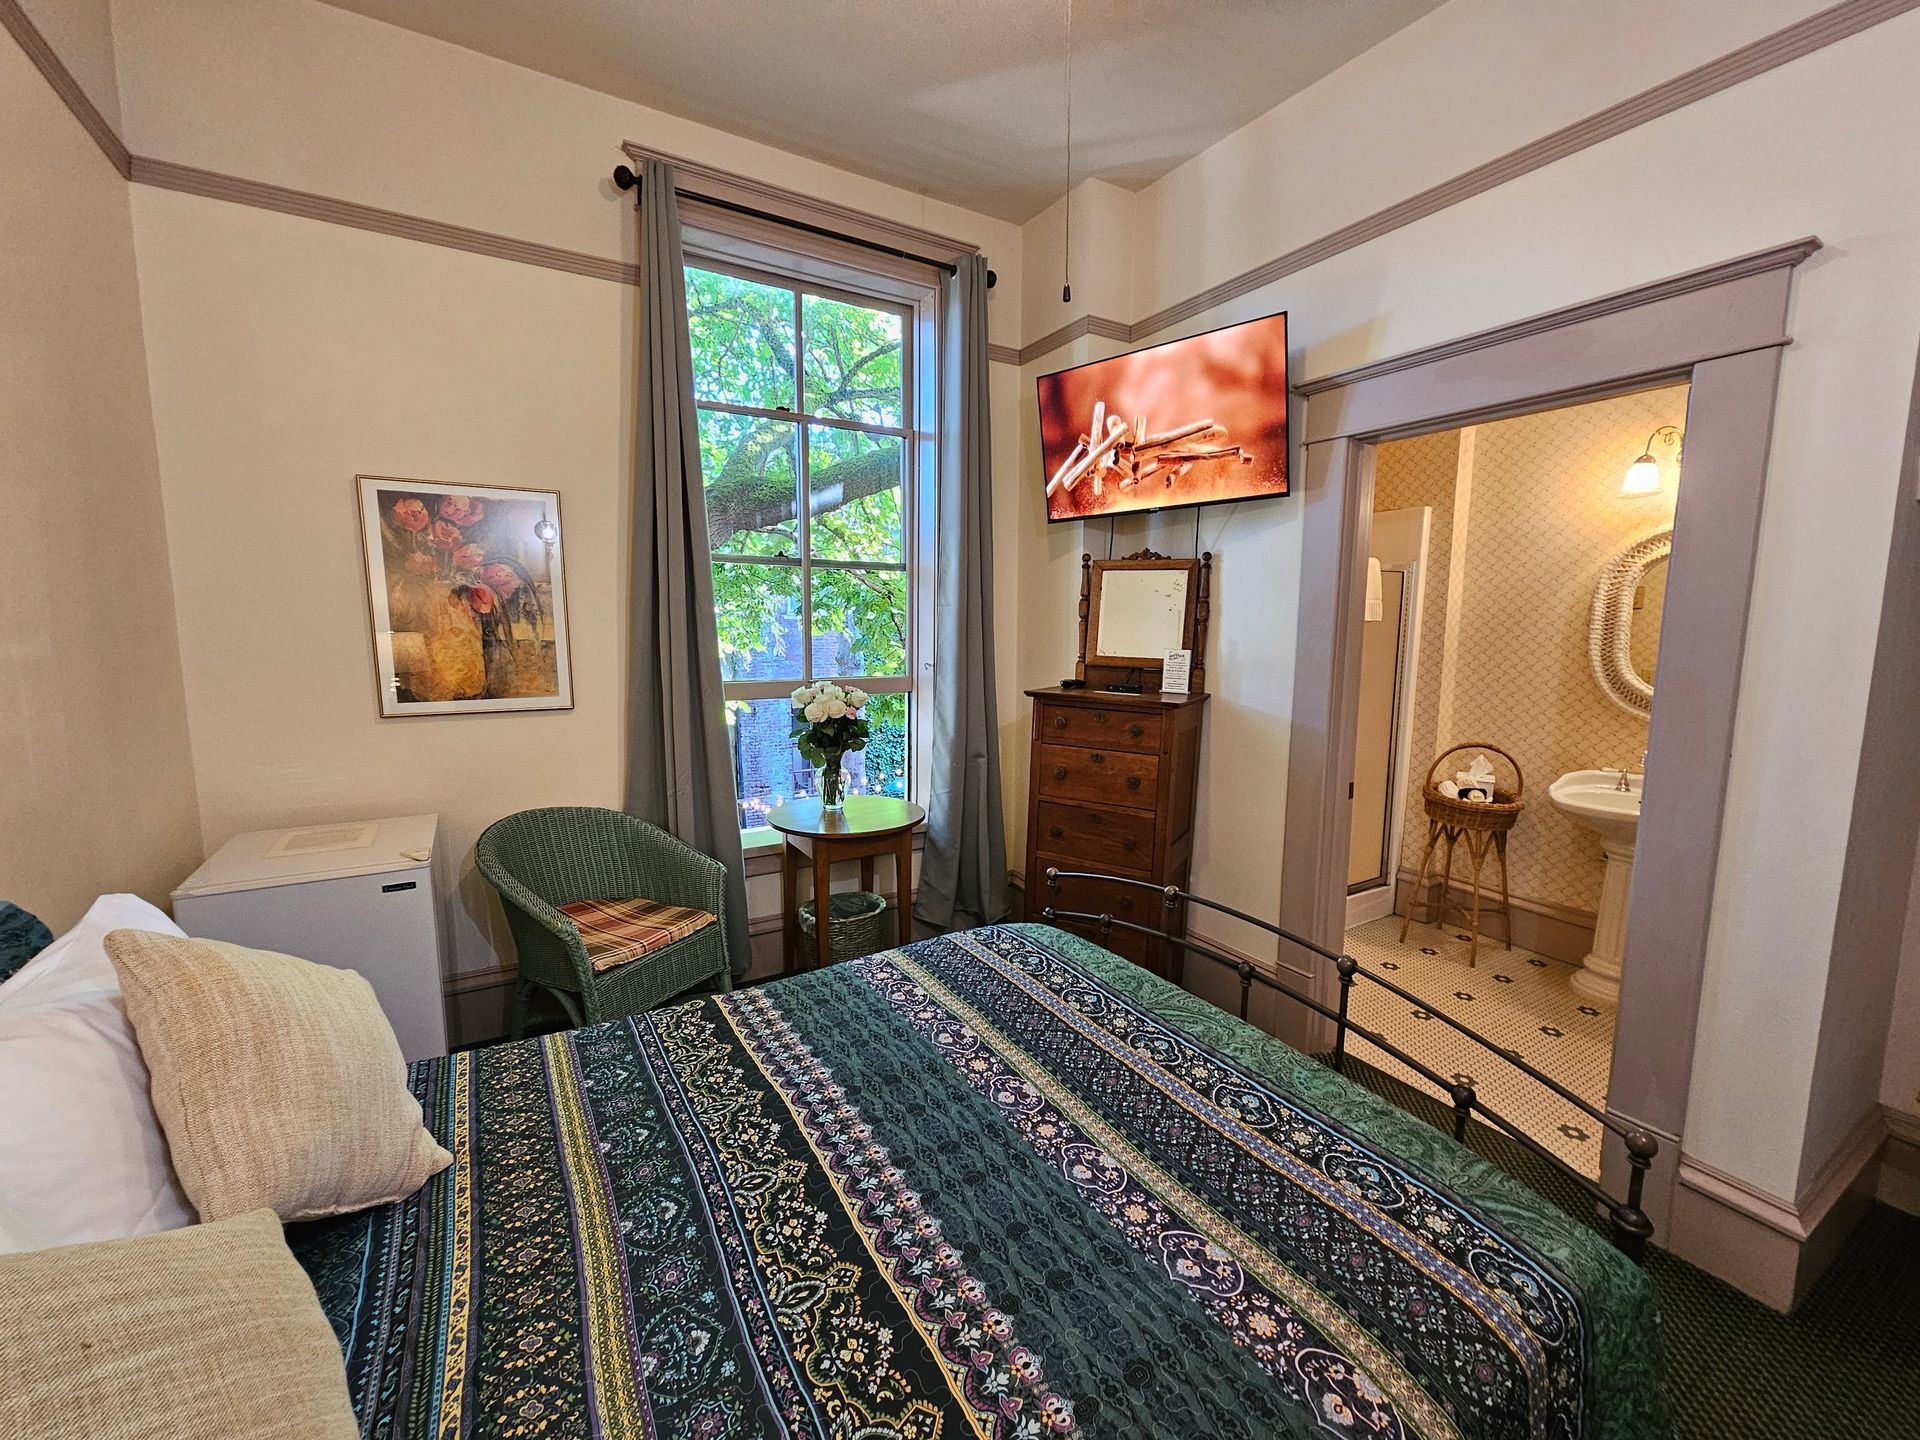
1076, 329
1769, 52
1836, 23
27, 35
188, 180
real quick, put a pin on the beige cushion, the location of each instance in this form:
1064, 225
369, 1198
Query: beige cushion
277, 1081
210, 1330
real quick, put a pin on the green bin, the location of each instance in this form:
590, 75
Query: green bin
856, 918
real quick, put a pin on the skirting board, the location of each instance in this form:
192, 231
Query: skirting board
1775, 1249
1900, 1162
1556, 931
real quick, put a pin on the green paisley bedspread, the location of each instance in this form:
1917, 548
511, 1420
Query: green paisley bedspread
997, 1184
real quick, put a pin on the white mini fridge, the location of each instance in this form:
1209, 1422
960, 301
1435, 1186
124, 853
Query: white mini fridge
358, 895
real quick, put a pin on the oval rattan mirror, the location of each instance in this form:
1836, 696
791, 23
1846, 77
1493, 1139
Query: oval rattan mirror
1610, 648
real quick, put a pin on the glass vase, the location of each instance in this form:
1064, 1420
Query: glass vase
833, 785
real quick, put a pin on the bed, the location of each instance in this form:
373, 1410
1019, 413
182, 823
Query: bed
1001, 1183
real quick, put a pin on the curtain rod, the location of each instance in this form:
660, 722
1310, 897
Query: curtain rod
626, 179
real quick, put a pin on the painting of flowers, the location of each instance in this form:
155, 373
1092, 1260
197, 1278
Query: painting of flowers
466, 589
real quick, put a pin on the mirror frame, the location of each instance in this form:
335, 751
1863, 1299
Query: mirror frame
1610, 623
1100, 669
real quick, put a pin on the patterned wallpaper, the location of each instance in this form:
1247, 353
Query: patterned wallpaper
1526, 513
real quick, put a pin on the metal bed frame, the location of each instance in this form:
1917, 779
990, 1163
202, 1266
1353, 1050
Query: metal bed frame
1629, 1224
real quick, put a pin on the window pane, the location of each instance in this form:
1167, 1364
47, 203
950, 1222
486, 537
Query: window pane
758, 610
853, 367
859, 622
883, 767
769, 771
857, 489
751, 469
742, 334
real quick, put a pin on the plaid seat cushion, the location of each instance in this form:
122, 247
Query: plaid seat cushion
616, 931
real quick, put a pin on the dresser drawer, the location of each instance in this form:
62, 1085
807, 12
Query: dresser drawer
1104, 839
1115, 729
1106, 777
1101, 897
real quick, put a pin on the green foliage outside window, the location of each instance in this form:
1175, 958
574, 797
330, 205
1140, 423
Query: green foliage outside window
849, 367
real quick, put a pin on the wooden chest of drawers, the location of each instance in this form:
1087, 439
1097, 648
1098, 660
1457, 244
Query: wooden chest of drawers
1112, 791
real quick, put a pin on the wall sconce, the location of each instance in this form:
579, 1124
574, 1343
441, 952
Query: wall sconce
1643, 475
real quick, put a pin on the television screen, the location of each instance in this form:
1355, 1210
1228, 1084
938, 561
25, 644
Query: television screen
1191, 422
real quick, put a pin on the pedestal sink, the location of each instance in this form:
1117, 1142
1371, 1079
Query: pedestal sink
1594, 799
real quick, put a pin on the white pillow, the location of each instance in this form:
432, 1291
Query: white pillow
82, 1156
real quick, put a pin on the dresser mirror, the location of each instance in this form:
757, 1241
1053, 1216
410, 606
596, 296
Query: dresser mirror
1134, 611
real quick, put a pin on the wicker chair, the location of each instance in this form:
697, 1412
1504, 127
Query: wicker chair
540, 860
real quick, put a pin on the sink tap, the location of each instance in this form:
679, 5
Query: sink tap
1621, 784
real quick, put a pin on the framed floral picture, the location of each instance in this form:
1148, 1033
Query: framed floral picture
468, 596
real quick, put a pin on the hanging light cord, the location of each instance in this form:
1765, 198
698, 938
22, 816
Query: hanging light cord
1066, 258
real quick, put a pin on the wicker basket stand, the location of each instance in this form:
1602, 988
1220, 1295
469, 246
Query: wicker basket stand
1483, 825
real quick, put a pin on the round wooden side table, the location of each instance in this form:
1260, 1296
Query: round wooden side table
868, 827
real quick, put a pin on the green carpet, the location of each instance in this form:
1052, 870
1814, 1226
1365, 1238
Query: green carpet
1846, 1363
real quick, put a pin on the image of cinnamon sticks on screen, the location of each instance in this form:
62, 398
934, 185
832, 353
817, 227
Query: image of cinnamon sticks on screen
1114, 452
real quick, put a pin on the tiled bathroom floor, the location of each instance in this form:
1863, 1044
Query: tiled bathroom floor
1518, 1000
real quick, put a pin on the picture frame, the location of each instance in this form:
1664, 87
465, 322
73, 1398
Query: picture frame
466, 597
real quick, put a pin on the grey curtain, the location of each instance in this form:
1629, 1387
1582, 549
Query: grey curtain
963, 871
679, 768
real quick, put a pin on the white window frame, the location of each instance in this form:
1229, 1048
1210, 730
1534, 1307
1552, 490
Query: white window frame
836, 272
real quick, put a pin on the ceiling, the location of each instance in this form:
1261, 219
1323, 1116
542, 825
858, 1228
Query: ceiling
958, 99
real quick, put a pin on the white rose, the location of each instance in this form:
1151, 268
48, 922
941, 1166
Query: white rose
856, 697
816, 711
836, 707
802, 697
831, 691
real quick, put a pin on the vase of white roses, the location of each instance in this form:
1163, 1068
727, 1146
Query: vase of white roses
828, 724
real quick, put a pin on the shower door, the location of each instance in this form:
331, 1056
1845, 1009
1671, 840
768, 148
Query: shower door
1389, 653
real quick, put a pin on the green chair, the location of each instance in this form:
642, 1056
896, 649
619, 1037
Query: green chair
649, 912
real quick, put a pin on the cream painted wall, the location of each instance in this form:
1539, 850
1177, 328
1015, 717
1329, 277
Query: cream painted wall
1800, 150
1546, 516
301, 94
1900, 1083
289, 355
80, 32
97, 793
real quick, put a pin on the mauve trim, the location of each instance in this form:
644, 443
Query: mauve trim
56, 74
1756, 58
1848, 18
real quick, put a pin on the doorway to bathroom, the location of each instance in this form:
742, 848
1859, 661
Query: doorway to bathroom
1515, 588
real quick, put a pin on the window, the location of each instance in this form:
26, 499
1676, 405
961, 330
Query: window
806, 391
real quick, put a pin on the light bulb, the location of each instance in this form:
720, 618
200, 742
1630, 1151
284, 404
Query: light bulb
1642, 478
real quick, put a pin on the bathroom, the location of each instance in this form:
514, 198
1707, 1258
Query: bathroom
1514, 602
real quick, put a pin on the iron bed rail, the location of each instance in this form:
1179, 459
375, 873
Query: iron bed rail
1630, 1225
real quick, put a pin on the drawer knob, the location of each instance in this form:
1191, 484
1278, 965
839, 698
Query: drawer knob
1059, 772
1130, 843
1136, 731
1133, 782
1098, 758
1099, 717
1059, 722
1056, 832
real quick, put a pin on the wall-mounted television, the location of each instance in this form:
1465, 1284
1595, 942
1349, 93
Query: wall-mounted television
1199, 421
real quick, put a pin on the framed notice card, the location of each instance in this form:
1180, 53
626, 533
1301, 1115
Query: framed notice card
1173, 674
